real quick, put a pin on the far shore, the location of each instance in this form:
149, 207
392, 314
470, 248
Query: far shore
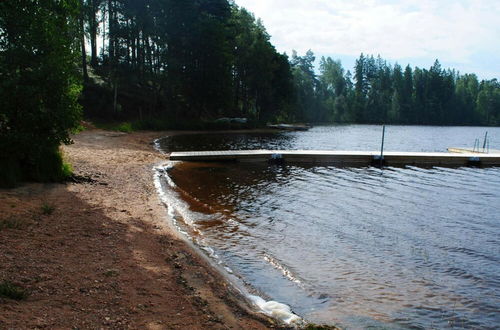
99, 253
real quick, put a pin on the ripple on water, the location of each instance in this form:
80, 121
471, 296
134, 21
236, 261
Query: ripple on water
364, 247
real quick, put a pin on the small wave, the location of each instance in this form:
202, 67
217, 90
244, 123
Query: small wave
470, 252
284, 270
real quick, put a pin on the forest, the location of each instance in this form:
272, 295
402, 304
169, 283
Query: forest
180, 62
186, 63
377, 92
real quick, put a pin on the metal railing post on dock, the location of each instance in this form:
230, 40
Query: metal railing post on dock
485, 138
382, 148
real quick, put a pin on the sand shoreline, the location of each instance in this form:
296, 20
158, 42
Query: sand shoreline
106, 257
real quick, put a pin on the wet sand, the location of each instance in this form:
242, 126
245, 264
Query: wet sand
106, 257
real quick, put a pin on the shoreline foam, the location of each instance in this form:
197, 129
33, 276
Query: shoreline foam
276, 310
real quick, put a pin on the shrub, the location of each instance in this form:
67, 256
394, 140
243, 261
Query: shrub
39, 87
47, 209
10, 223
12, 291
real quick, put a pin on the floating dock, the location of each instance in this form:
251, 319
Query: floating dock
343, 158
288, 127
475, 151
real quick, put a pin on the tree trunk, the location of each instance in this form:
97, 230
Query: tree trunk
103, 30
93, 33
111, 34
115, 96
84, 52
149, 55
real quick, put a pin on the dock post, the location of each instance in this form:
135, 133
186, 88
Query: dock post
382, 148
485, 138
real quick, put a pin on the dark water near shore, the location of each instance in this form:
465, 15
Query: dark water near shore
360, 247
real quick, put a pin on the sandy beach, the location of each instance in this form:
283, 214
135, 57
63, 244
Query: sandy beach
99, 252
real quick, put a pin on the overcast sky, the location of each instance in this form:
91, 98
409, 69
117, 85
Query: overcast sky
462, 34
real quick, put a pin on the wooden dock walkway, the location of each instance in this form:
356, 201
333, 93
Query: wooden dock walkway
343, 158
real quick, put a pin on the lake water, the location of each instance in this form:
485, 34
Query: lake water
357, 247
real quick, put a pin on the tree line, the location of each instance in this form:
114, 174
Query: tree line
191, 60
175, 63
377, 92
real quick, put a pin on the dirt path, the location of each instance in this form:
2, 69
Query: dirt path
100, 254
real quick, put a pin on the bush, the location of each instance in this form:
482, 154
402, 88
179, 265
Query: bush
12, 291
39, 88
45, 166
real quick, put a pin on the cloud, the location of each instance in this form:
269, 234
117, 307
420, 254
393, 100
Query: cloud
454, 31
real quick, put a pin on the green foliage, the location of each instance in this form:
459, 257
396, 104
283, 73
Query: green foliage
382, 93
125, 127
111, 273
47, 209
66, 170
12, 291
10, 223
39, 87
184, 63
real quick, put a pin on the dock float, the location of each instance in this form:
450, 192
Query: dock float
342, 158
288, 127
475, 151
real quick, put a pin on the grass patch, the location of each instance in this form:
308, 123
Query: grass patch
67, 170
12, 291
47, 209
80, 128
45, 164
10, 223
161, 123
111, 273
125, 127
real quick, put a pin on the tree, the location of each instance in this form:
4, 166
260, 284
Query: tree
466, 95
335, 85
488, 102
39, 86
306, 86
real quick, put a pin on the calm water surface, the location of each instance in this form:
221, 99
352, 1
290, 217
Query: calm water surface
358, 247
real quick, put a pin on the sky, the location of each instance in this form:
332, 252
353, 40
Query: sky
462, 34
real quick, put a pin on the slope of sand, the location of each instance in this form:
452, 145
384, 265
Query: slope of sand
106, 256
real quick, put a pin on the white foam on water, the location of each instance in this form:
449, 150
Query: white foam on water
277, 310
283, 269
156, 144
177, 208
179, 211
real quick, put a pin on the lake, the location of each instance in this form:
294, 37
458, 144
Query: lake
358, 247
